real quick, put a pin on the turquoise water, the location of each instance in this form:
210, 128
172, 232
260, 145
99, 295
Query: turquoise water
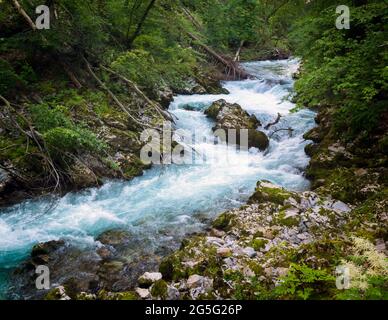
171, 201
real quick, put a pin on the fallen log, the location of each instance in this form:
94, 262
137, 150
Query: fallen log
230, 65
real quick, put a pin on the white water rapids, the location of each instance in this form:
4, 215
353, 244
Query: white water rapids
169, 202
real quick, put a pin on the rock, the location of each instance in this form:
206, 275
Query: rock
224, 252
5, 180
104, 253
143, 293
268, 192
192, 87
58, 293
268, 272
231, 116
380, 245
281, 271
249, 251
165, 96
172, 293
292, 212
148, 278
82, 176
46, 248
303, 236
247, 272
215, 241
268, 233
217, 233
339, 206
199, 285
196, 281
123, 140
257, 139
115, 237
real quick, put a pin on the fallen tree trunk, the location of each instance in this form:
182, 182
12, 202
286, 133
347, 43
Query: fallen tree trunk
115, 99
161, 112
230, 65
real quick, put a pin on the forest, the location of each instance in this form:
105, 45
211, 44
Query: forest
75, 97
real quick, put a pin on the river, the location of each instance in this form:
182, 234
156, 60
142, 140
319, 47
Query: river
168, 203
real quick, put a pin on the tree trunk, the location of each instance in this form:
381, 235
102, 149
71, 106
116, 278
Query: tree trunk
140, 24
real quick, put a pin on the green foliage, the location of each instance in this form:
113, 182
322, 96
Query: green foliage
305, 283
166, 66
159, 289
377, 290
345, 68
60, 133
72, 140
46, 118
8, 78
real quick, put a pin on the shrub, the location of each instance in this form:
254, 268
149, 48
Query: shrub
303, 282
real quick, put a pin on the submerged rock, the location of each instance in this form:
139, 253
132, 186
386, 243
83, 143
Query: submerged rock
115, 237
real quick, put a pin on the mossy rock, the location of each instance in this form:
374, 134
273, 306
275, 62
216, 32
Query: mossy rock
171, 268
53, 294
257, 139
266, 192
126, 295
159, 289
213, 111
223, 222
288, 222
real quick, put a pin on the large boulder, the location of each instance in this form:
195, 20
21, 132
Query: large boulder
232, 116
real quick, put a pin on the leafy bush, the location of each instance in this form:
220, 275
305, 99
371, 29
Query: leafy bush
154, 63
60, 133
305, 283
73, 140
345, 69
45, 118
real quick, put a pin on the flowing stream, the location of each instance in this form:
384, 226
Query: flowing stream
169, 202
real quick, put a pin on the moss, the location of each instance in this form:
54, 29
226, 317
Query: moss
289, 222
159, 289
258, 234
53, 294
213, 111
126, 295
129, 295
223, 222
258, 244
171, 268
256, 267
268, 194
257, 139
311, 149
